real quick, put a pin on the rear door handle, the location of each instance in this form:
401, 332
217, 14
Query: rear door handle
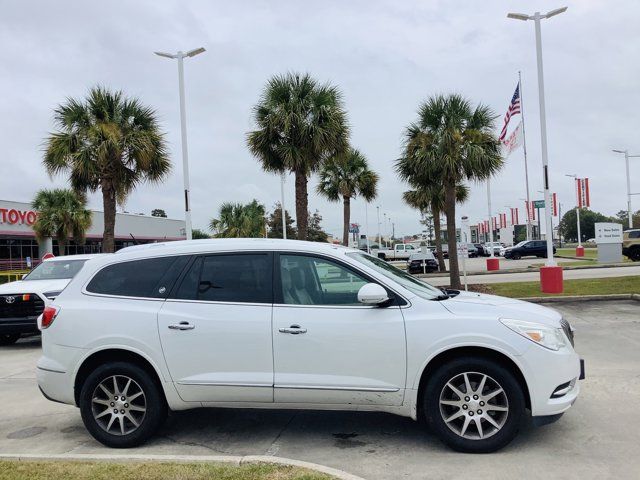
182, 326
293, 330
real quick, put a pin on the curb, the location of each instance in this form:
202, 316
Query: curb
236, 460
583, 298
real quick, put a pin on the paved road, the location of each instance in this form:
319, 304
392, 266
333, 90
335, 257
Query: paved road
597, 439
535, 276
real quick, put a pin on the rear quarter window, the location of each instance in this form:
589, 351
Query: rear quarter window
147, 278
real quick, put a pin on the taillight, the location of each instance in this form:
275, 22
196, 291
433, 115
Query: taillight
49, 315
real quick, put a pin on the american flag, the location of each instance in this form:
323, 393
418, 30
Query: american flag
514, 109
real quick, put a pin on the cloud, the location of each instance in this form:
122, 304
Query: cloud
386, 57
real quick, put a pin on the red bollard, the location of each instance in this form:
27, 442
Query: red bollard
551, 279
493, 264
579, 251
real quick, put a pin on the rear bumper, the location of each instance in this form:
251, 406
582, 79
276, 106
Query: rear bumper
55, 385
19, 325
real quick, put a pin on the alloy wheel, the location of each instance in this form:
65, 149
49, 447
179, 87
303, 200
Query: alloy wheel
474, 405
118, 405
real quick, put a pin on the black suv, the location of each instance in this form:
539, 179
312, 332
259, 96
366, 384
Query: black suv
531, 248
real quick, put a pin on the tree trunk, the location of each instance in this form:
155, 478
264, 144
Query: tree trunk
109, 207
438, 232
61, 246
347, 216
450, 211
302, 204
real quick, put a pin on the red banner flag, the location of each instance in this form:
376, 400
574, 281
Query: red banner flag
582, 192
514, 216
554, 204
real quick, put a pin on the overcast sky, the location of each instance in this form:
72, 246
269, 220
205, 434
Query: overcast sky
386, 57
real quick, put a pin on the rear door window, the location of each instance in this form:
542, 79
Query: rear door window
147, 278
237, 278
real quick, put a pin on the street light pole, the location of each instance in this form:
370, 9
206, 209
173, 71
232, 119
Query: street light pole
283, 211
551, 279
626, 161
180, 56
575, 176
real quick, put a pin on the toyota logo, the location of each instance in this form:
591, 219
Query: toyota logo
9, 299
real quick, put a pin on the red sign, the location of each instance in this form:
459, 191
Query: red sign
582, 192
514, 216
17, 217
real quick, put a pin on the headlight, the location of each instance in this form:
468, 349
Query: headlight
544, 335
52, 295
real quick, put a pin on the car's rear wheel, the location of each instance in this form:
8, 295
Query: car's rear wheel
634, 254
474, 405
121, 405
9, 338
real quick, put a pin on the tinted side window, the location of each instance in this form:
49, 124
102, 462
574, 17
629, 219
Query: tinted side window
635, 234
150, 278
243, 278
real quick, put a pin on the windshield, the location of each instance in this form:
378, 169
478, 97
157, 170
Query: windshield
56, 270
423, 290
520, 244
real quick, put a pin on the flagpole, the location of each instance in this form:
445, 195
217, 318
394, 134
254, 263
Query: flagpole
524, 149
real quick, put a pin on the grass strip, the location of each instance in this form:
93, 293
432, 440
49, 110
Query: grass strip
71, 470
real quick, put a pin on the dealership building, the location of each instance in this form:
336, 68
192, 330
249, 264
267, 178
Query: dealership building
18, 241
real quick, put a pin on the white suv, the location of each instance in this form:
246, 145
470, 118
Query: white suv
289, 324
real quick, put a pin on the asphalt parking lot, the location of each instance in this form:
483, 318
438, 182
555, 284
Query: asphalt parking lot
598, 438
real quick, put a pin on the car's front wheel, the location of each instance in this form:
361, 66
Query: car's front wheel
474, 405
121, 405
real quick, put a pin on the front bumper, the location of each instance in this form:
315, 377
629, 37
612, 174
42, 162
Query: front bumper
547, 373
19, 325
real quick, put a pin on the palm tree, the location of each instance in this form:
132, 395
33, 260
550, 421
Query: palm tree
452, 142
61, 214
236, 220
300, 124
346, 176
431, 198
108, 142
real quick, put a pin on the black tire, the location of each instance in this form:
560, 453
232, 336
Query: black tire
515, 256
155, 403
9, 338
512, 419
382, 256
634, 254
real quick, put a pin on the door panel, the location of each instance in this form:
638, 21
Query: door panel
227, 356
216, 330
342, 352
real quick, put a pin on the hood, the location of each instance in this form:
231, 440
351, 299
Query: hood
33, 286
479, 304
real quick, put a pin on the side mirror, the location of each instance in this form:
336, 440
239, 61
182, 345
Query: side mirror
372, 294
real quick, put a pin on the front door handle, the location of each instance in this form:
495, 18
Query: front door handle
293, 330
182, 326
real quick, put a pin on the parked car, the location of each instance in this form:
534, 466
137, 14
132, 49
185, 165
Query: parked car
530, 248
480, 249
488, 246
266, 323
400, 251
21, 302
631, 244
472, 250
422, 262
